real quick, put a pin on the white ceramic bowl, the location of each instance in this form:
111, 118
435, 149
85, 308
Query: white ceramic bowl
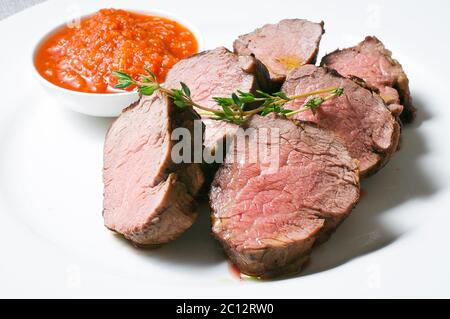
103, 104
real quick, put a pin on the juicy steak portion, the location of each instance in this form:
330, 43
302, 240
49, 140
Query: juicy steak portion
148, 198
217, 72
359, 117
283, 46
267, 218
373, 63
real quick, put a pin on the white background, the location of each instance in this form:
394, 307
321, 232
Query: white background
52, 239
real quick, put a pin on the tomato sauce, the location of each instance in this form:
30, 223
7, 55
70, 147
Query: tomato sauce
82, 58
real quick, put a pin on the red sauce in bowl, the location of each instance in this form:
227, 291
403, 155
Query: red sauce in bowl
82, 58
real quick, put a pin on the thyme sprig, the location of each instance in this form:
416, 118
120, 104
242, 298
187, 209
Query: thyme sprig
233, 108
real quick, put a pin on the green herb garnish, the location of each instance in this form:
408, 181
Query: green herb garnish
233, 108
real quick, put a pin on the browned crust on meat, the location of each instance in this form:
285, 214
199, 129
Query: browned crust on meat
284, 260
182, 183
395, 137
176, 205
265, 81
401, 84
386, 155
270, 262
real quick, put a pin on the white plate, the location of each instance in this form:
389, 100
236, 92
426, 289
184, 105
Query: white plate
53, 243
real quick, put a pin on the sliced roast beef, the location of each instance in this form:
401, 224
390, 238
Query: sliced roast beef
359, 116
373, 63
266, 216
147, 197
217, 72
282, 47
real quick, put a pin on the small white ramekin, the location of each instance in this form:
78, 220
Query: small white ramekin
102, 104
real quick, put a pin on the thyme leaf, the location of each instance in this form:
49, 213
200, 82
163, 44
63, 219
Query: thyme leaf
232, 108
